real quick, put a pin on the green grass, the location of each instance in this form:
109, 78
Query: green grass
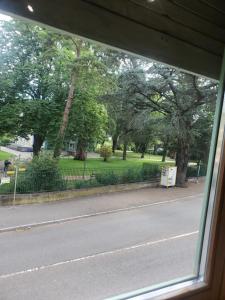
116, 162
5, 155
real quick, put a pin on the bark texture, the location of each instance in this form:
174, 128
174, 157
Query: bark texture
37, 144
114, 142
182, 162
69, 103
62, 130
125, 151
80, 151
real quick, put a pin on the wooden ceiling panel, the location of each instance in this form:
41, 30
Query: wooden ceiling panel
199, 8
186, 18
217, 4
160, 32
164, 22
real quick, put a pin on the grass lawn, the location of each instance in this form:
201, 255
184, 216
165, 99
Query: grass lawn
5, 155
116, 162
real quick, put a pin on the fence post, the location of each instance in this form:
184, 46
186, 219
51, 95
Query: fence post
14, 195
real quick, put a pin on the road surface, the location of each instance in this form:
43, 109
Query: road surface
99, 247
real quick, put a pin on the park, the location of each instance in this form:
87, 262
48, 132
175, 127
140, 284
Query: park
67, 97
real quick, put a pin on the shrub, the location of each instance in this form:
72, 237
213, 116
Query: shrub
131, 175
5, 140
42, 175
192, 171
107, 178
106, 152
80, 184
150, 171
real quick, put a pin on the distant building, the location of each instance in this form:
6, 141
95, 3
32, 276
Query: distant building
26, 145
22, 144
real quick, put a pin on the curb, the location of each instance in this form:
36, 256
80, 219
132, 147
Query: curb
33, 198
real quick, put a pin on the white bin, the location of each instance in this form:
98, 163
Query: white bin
168, 176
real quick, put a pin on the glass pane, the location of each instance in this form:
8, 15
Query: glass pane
104, 158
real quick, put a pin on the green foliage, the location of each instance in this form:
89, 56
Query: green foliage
5, 140
42, 175
107, 178
145, 173
36, 68
151, 170
194, 171
105, 152
144, 103
88, 121
131, 175
82, 184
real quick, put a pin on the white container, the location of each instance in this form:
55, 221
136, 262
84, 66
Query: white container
168, 176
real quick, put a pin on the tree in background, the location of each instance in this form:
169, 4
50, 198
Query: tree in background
87, 124
181, 97
89, 75
147, 130
42, 71
105, 152
200, 145
35, 63
52, 86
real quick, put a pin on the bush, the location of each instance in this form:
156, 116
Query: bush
5, 140
192, 171
132, 175
150, 171
107, 178
106, 152
147, 172
42, 175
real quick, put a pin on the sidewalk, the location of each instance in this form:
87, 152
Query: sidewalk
50, 212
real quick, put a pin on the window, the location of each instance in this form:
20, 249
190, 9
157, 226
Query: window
132, 273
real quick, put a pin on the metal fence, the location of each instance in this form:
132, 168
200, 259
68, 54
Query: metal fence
22, 181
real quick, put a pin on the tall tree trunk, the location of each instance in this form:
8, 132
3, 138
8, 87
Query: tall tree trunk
69, 103
114, 142
125, 151
165, 148
155, 149
182, 162
136, 147
62, 130
143, 148
80, 151
37, 144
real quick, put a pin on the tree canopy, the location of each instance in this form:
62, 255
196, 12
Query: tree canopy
58, 87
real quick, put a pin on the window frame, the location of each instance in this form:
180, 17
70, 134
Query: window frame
213, 285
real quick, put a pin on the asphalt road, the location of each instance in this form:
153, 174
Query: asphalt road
101, 253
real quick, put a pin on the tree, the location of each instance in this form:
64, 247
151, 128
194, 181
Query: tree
146, 130
120, 105
199, 148
105, 152
69, 101
41, 73
179, 96
88, 75
34, 77
87, 123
